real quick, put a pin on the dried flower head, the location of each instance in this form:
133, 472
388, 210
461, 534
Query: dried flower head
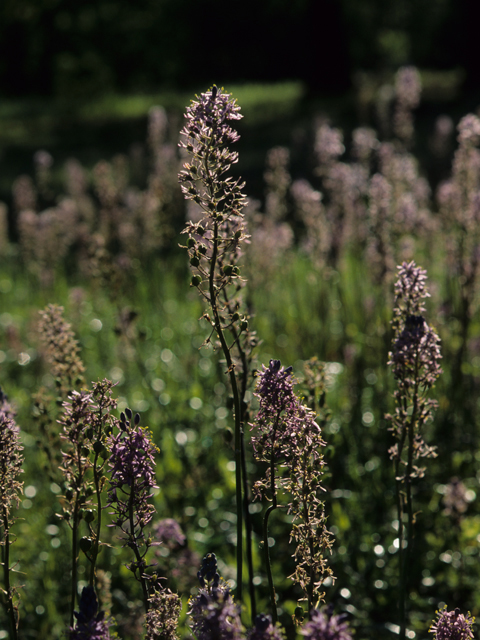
452, 625
162, 615
61, 349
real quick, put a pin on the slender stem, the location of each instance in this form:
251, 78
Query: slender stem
96, 544
73, 592
246, 501
10, 607
271, 586
133, 545
236, 400
248, 531
271, 508
398, 482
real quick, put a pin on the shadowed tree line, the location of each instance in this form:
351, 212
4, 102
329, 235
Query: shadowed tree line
80, 48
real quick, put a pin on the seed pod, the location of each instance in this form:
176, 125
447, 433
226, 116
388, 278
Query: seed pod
85, 544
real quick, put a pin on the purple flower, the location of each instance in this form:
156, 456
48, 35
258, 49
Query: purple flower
90, 624
132, 479
213, 613
452, 625
264, 629
414, 360
410, 290
323, 626
469, 130
11, 460
287, 432
215, 616
169, 532
416, 354
208, 135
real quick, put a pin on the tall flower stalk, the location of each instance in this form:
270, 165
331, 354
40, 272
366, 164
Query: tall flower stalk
289, 440
415, 364
86, 421
11, 460
132, 478
214, 247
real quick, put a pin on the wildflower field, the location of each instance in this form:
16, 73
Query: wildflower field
226, 418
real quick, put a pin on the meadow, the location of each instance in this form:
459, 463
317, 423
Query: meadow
122, 295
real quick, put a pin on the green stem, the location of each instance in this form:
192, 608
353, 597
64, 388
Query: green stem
236, 401
244, 419
272, 507
73, 592
271, 586
96, 544
133, 545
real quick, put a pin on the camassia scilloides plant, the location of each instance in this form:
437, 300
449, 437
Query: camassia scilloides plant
287, 436
289, 440
414, 359
214, 244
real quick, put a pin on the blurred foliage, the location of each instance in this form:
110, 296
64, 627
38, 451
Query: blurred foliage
81, 48
141, 329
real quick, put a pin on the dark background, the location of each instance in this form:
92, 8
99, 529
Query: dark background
84, 48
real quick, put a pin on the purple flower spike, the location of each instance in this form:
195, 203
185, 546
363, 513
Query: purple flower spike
132, 465
90, 624
321, 626
452, 625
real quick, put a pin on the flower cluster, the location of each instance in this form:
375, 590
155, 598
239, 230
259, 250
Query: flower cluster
86, 421
323, 626
132, 477
264, 629
11, 460
61, 349
415, 363
452, 625
91, 623
175, 559
290, 440
214, 240
162, 615
213, 612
